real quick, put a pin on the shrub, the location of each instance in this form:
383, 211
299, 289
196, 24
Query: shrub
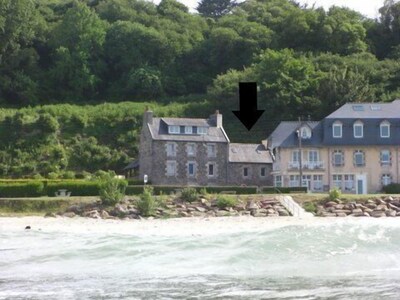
189, 194
21, 189
226, 201
68, 175
393, 188
112, 190
334, 194
203, 191
146, 203
310, 207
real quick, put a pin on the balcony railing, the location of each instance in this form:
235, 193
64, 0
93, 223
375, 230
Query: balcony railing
306, 165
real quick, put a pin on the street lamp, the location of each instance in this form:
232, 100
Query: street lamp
300, 158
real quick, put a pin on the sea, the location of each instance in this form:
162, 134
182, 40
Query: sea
331, 260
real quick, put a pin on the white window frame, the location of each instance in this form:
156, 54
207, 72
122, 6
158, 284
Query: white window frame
339, 125
355, 155
202, 130
191, 163
349, 183
337, 180
305, 133
294, 180
214, 168
191, 149
174, 129
385, 124
278, 180
211, 150
317, 184
334, 155
171, 149
384, 153
360, 125
171, 168
188, 129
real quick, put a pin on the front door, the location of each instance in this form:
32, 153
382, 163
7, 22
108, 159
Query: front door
361, 184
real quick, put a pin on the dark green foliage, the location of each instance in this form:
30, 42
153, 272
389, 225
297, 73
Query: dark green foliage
215, 8
237, 189
393, 188
310, 207
283, 190
21, 189
111, 189
34, 206
189, 194
76, 187
224, 201
146, 203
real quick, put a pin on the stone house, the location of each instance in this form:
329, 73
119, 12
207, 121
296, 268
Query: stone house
355, 148
198, 152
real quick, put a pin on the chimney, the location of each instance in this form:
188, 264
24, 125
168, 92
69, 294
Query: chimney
216, 119
265, 143
148, 117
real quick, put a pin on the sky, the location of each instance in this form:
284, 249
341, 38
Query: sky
368, 8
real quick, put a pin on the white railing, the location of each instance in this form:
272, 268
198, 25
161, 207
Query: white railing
293, 207
306, 165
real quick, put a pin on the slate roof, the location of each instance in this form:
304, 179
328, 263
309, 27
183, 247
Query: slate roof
159, 130
389, 110
249, 153
285, 135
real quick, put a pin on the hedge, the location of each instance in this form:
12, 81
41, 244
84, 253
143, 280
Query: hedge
26, 189
168, 189
283, 190
77, 188
30, 205
393, 188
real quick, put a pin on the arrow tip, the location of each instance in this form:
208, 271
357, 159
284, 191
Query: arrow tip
247, 118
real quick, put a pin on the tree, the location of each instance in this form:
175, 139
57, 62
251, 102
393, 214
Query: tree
215, 8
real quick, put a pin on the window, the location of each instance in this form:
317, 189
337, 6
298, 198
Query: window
278, 180
263, 172
349, 182
337, 181
385, 158
338, 158
337, 129
211, 150
358, 128
317, 183
211, 170
191, 169
359, 158
313, 159
171, 168
245, 172
295, 159
202, 130
191, 149
385, 129
386, 179
171, 149
305, 132
188, 129
294, 180
173, 129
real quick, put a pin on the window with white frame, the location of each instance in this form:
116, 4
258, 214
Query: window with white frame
295, 159
317, 183
313, 158
191, 149
386, 179
305, 132
202, 130
211, 169
211, 150
171, 168
263, 171
191, 168
337, 129
359, 158
294, 180
385, 129
338, 158
349, 182
385, 158
358, 129
337, 180
173, 129
171, 149
278, 180
188, 129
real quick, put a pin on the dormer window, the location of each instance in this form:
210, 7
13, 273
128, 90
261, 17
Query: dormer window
188, 129
305, 132
358, 129
173, 129
337, 129
385, 129
202, 130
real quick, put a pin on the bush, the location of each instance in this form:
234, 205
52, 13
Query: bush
334, 194
226, 201
393, 188
189, 194
112, 190
283, 190
238, 189
76, 187
21, 189
310, 207
146, 203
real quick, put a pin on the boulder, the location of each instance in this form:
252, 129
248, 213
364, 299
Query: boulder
221, 213
259, 214
388, 199
391, 213
283, 213
50, 215
381, 207
393, 207
200, 209
251, 205
104, 214
326, 214
94, 214
377, 214
69, 214
341, 214
330, 203
339, 206
76, 209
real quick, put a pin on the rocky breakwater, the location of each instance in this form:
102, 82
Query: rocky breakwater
257, 206
375, 207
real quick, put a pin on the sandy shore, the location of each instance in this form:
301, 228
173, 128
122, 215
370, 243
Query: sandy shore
172, 227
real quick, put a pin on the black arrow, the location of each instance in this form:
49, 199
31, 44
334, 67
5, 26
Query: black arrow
248, 113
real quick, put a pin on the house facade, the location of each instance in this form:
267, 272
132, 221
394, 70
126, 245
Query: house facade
356, 149
198, 152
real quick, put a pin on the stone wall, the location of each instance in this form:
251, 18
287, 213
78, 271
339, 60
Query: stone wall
236, 174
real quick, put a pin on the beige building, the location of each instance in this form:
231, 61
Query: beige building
356, 149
